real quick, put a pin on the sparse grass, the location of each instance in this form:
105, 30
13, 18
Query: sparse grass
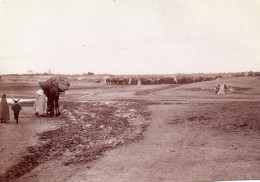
91, 129
152, 90
226, 116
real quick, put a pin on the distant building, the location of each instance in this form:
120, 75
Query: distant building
30, 71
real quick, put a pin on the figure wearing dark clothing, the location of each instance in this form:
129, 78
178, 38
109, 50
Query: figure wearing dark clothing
16, 108
4, 110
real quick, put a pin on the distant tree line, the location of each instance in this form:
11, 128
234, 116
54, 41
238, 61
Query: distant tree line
156, 80
247, 73
89, 73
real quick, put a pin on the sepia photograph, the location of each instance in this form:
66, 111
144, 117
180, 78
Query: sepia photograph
129, 90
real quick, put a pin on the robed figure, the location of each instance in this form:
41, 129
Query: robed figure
40, 105
4, 110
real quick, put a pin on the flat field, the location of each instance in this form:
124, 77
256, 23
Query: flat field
125, 133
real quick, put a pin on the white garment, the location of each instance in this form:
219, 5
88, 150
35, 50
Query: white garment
139, 83
40, 105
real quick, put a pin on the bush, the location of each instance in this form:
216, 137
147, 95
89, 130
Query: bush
256, 73
209, 78
185, 80
89, 73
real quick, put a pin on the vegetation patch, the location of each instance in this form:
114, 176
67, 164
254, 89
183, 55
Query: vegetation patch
91, 129
240, 90
226, 116
149, 91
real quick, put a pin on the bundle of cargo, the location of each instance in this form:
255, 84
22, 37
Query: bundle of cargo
54, 82
48, 83
63, 85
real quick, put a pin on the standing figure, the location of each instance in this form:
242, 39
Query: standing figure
139, 83
225, 88
16, 108
4, 110
40, 105
217, 89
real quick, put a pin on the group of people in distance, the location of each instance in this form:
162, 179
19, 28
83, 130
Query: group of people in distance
39, 107
223, 89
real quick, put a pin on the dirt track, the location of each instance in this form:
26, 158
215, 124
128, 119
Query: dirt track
15, 138
172, 150
187, 140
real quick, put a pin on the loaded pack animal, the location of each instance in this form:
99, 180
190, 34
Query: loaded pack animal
52, 89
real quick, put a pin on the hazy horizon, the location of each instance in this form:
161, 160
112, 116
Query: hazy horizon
94, 74
129, 37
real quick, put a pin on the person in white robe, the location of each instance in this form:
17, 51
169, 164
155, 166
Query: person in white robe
139, 83
40, 105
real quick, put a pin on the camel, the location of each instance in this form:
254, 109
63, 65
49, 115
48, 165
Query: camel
53, 100
52, 89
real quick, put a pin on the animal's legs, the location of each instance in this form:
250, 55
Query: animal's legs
57, 108
51, 107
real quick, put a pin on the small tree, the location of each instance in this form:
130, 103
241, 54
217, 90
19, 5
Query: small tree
90, 73
250, 73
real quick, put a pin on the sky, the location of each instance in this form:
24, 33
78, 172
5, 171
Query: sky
129, 36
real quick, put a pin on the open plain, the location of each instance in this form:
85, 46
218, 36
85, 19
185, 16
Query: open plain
125, 133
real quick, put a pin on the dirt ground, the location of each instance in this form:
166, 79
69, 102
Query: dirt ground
193, 135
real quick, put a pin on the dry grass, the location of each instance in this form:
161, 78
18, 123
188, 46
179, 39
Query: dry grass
91, 129
226, 116
152, 90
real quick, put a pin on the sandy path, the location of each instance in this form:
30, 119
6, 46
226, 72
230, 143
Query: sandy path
170, 152
15, 138
146, 160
